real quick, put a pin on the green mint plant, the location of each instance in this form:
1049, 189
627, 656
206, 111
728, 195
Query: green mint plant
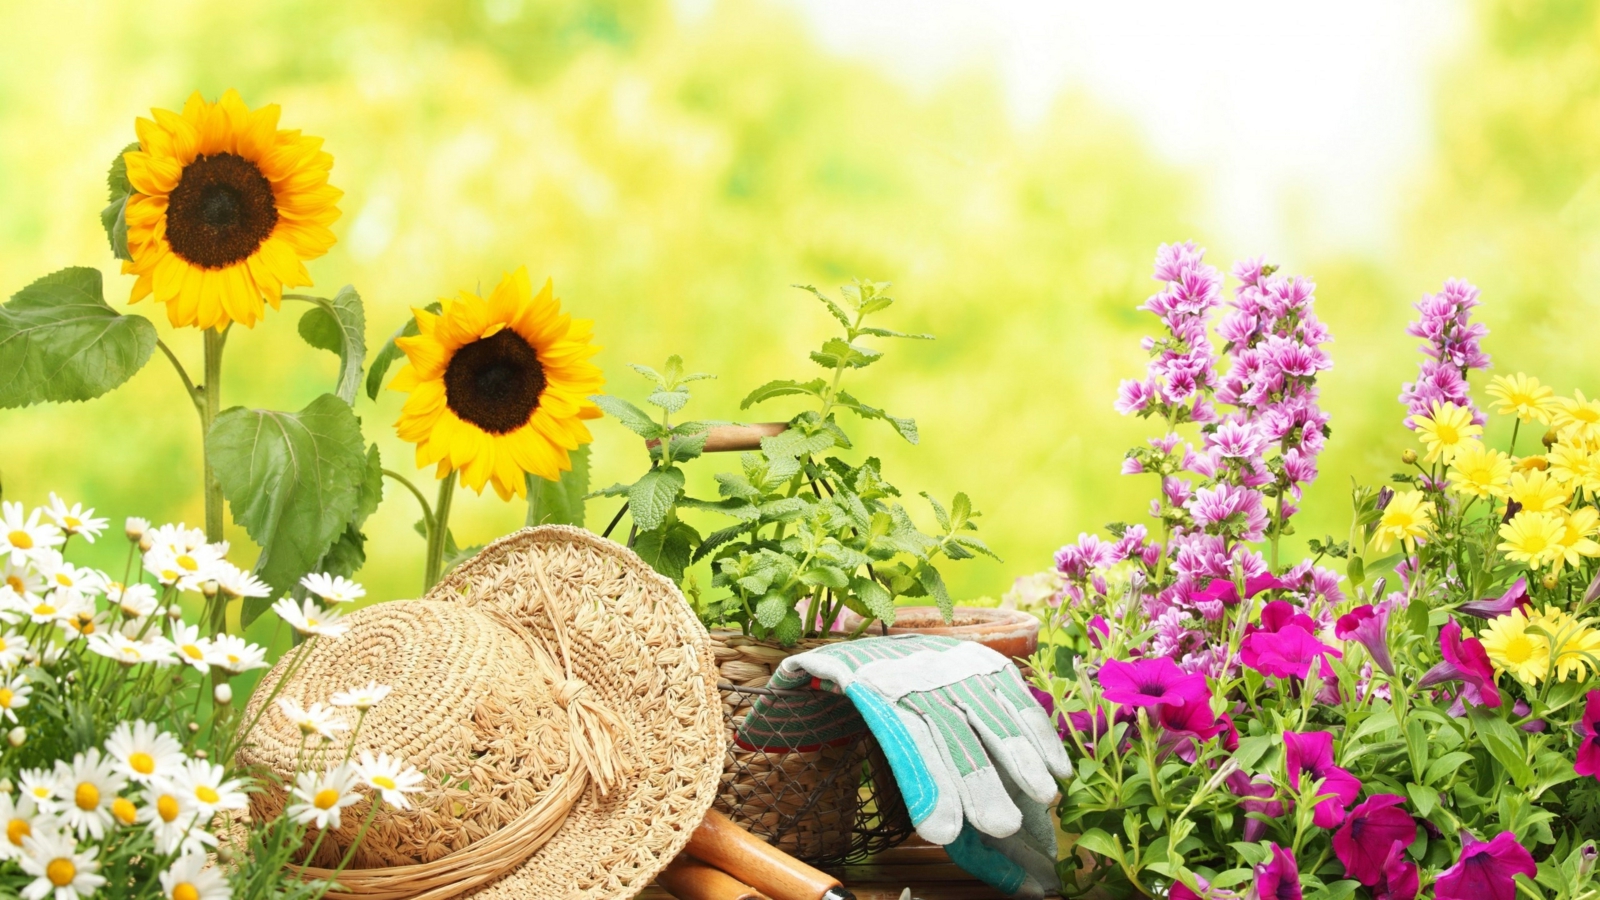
812, 534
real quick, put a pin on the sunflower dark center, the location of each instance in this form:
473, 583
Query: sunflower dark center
220, 212
495, 382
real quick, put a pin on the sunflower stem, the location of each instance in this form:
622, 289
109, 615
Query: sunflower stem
211, 390
440, 531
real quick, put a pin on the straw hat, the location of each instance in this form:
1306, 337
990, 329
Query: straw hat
560, 698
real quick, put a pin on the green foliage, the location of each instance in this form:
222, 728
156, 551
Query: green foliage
809, 529
60, 342
390, 352
114, 217
339, 326
293, 480
560, 502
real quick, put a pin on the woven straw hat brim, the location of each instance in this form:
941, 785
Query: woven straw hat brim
633, 639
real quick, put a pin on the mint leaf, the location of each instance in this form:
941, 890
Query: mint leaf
293, 480
60, 342
873, 599
837, 353
772, 609
652, 496
832, 306
632, 417
339, 326
783, 387
668, 549
390, 352
560, 502
931, 581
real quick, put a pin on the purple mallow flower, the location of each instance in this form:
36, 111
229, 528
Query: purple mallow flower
1453, 349
1181, 375
1236, 512
1368, 626
1587, 761
1310, 754
1279, 877
1485, 869
1152, 682
1465, 661
1370, 832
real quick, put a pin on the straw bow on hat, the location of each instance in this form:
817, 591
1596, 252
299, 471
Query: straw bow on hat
560, 698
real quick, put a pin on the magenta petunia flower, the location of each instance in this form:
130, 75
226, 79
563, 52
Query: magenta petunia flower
1286, 653
1401, 880
1369, 626
1225, 591
1515, 597
1255, 796
1465, 661
1152, 682
1372, 829
1279, 614
1310, 754
1485, 869
1588, 757
1279, 877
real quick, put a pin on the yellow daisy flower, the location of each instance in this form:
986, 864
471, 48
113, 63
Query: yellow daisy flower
1522, 396
1530, 463
1575, 466
1406, 518
1573, 637
1577, 419
1533, 538
1537, 491
1446, 430
499, 386
1479, 471
1511, 647
1577, 534
226, 208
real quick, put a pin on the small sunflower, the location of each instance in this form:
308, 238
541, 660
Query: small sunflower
226, 209
1524, 397
1446, 430
499, 386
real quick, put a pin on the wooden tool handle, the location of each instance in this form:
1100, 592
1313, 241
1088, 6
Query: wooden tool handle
723, 438
688, 879
746, 857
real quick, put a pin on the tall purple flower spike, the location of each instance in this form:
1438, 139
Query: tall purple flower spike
1454, 347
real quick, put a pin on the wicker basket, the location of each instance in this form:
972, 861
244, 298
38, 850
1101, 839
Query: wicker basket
826, 805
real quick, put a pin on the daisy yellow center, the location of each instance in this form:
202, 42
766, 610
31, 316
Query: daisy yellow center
6, 696
61, 871
220, 212
1446, 433
87, 796
193, 652
63, 579
16, 583
16, 830
124, 810
143, 763
232, 659
495, 382
325, 798
169, 575
41, 792
20, 540
384, 782
1586, 414
44, 609
72, 521
1518, 649
130, 651
188, 563
167, 807
207, 794
185, 891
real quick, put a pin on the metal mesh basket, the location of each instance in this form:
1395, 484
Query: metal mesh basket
828, 805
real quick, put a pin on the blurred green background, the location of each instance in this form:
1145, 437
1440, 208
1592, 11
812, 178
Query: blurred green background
675, 173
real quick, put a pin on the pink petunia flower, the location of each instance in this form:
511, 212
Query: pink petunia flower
1369, 626
1310, 754
1279, 877
1151, 682
1465, 661
1256, 796
1587, 761
1515, 597
1485, 869
1286, 653
1363, 843
1401, 880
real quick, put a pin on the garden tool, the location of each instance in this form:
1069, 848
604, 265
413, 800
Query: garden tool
689, 879
722, 844
974, 755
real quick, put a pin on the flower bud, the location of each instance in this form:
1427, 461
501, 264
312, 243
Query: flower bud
135, 528
175, 613
194, 727
1550, 580
1551, 438
6, 786
1408, 456
208, 588
17, 736
224, 854
201, 754
1587, 854
223, 694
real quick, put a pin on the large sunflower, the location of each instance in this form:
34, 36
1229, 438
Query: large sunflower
499, 386
226, 207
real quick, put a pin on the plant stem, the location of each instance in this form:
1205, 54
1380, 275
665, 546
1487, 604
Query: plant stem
212, 396
439, 532
427, 512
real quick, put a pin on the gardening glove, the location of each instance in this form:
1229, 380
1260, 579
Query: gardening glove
969, 747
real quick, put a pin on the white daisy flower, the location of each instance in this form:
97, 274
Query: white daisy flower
187, 569
85, 624
318, 719
135, 527
21, 580
235, 582
42, 787
58, 606
189, 879
87, 787
173, 824
23, 538
62, 575
332, 588
124, 649
310, 618
235, 654
389, 776
18, 815
75, 520
13, 648
13, 696
143, 751
134, 600
362, 698
178, 538
201, 785
323, 796
190, 648
59, 870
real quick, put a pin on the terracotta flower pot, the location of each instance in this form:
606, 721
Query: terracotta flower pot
1010, 632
